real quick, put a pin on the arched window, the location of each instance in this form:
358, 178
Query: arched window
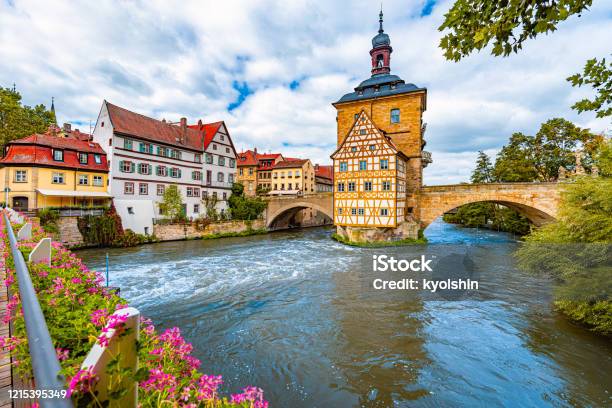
380, 60
220, 177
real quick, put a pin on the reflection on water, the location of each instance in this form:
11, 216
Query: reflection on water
291, 312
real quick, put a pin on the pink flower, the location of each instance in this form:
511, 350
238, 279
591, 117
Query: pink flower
82, 382
62, 354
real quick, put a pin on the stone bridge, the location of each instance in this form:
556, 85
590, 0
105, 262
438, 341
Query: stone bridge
537, 201
282, 208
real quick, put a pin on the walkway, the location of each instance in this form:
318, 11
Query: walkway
6, 382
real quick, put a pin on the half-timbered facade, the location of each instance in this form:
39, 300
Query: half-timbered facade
370, 178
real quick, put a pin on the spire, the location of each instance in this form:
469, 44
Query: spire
53, 109
380, 20
381, 49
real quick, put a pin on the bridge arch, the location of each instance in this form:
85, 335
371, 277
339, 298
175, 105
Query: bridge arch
538, 202
285, 206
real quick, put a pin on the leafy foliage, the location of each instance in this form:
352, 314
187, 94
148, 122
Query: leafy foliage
48, 220
473, 24
172, 203
243, 207
598, 75
17, 120
101, 230
576, 250
484, 169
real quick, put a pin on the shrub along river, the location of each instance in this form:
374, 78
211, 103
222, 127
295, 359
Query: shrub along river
294, 313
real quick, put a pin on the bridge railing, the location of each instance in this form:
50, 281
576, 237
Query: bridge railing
45, 365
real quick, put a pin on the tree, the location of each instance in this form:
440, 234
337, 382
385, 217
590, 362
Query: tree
515, 161
210, 203
17, 120
172, 203
598, 75
483, 173
242, 207
473, 24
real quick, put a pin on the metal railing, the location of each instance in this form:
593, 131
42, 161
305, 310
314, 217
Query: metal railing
45, 365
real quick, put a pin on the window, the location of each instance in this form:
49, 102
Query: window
353, 149
220, 177
144, 147
340, 187
384, 212
196, 175
290, 187
175, 172
362, 131
175, 154
356, 116
130, 210
189, 191
289, 174
395, 115
240, 171
57, 178
58, 155
21, 176
384, 164
353, 211
205, 195
230, 178
250, 171
161, 189
209, 158
98, 181
297, 173
224, 197
232, 163
360, 211
363, 165
222, 137
161, 151
196, 192
83, 179
143, 189
196, 208
144, 168
339, 211
127, 144
386, 186
227, 150
161, 171
197, 158
97, 158
128, 188
351, 186
126, 166
83, 158
221, 161
343, 166
367, 186
372, 147
214, 146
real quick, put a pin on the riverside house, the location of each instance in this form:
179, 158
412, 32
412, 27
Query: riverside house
58, 168
147, 155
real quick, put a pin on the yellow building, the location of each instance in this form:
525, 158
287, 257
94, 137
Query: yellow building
293, 176
389, 111
255, 170
54, 169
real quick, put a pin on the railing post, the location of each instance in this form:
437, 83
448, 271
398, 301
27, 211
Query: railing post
45, 366
123, 346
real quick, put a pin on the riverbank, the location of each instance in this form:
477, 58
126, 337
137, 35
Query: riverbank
379, 244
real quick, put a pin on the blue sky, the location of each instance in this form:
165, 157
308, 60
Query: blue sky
271, 69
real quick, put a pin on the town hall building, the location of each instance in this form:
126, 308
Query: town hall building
378, 166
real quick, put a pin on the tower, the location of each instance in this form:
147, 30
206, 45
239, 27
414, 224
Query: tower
395, 110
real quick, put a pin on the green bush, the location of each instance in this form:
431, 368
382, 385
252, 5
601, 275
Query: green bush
48, 220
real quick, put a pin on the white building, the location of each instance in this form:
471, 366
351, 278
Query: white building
147, 155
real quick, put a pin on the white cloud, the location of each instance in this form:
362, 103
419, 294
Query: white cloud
185, 61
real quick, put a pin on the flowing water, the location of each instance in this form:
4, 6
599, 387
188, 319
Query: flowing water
294, 313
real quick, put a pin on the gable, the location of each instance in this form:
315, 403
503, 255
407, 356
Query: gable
360, 137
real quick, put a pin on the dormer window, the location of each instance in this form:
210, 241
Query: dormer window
83, 158
58, 155
97, 158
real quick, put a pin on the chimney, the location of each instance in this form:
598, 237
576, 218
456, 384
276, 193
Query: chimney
164, 120
316, 167
199, 122
183, 129
67, 127
255, 150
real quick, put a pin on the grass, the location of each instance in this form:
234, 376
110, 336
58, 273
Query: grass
235, 234
379, 244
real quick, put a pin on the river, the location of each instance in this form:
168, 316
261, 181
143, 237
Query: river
294, 313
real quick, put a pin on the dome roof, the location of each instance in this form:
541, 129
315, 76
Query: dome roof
380, 39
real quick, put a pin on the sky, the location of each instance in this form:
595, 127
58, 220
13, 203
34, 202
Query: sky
271, 69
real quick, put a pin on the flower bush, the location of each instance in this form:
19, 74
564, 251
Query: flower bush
79, 311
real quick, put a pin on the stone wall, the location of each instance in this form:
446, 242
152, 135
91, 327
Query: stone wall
174, 232
405, 230
69, 233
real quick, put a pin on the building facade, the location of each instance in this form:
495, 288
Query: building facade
60, 168
147, 155
292, 177
389, 111
255, 170
324, 178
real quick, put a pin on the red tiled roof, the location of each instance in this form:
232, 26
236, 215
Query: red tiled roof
208, 129
37, 149
268, 156
247, 158
134, 124
324, 171
290, 163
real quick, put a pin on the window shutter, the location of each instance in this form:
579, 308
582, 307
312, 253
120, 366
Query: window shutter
179, 173
121, 165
